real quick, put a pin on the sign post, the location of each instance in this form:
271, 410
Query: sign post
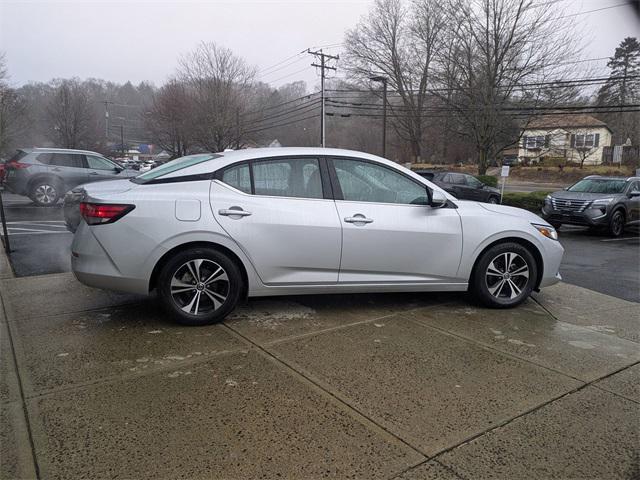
504, 173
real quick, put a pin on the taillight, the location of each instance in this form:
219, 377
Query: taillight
101, 213
15, 164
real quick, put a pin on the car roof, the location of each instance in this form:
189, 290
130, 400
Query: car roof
610, 177
58, 150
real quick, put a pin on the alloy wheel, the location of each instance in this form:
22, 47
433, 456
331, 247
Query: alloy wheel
507, 275
199, 286
45, 194
616, 224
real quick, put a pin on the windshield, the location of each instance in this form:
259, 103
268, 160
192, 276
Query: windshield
598, 185
174, 166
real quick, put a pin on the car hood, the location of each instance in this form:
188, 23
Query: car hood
565, 195
512, 211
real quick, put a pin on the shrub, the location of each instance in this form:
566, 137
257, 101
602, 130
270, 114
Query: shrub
529, 201
490, 180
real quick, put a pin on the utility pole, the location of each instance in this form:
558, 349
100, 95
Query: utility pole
237, 129
323, 66
122, 139
106, 119
384, 112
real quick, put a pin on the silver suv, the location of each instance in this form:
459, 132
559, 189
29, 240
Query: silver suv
45, 174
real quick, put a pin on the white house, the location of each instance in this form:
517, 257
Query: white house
569, 137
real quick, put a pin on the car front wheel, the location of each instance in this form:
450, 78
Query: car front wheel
200, 286
616, 224
504, 276
493, 200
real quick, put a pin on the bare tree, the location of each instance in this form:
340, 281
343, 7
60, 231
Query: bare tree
497, 47
220, 84
399, 42
169, 119
12, 111
71, 116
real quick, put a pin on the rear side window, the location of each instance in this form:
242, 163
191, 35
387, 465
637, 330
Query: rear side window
296, 177
66, 160
238, 177
44, 158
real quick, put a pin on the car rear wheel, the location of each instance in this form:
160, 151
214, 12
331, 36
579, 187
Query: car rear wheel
45, 193
200, 286
616, 224
504, 276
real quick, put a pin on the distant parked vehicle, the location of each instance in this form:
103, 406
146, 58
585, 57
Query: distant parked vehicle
45, 174
510, 161
612, 203
463, 186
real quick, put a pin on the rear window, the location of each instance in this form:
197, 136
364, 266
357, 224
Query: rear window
174, 166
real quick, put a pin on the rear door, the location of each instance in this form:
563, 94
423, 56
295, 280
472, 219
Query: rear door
70, 167
280, 212
390, 234
99, 168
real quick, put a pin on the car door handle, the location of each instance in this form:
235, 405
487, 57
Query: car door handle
93, 173
231, 212
358, 219
56, 170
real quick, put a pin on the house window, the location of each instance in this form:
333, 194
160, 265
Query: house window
536, 142
585, 140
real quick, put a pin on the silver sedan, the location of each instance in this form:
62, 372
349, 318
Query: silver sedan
207, 230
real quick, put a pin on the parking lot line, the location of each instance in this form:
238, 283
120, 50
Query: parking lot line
619, 239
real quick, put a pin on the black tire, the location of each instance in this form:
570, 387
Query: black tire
493, 200
485, 285
616, 224
217, 303
45, 192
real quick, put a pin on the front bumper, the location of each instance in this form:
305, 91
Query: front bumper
590, 217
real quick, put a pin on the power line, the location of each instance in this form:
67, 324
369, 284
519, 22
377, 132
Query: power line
282, 124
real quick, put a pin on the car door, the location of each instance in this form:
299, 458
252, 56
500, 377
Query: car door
460, 187
99, 168
633, 203
389, 232
281, 214
474, 189
70, 167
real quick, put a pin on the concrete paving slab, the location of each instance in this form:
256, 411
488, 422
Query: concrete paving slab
530, 333
619, 322
9, 389
55, 294
431, 470
265, 320
5, 266
565, 299
16, 459
590, 434
238, 416
431, 389
625, 383
63, 350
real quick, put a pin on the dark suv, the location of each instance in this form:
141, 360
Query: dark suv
45, 174
598, 202
462, 186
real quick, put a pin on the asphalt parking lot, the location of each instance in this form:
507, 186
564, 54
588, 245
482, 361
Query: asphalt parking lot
97, 384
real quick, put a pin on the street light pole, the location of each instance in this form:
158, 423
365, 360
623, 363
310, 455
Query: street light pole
384, 112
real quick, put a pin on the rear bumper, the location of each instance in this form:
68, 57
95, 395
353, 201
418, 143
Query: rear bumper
92, 266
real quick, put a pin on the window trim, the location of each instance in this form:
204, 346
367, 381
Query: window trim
337, 190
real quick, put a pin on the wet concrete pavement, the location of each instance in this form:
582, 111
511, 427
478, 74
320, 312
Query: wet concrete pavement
411, 386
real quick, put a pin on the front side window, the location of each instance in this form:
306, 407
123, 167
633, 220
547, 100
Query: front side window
66, 160
457, 179
288, 177
98, 163
473, 181
368, 182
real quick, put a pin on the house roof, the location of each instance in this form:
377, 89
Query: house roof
580, 120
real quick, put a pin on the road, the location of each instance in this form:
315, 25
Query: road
41, 244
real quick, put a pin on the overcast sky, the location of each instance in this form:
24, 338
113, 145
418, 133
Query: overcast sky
142, 40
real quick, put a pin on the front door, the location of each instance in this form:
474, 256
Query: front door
101, 169
276, 210
389, 232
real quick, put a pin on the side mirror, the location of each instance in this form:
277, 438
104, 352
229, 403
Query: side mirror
438, 199
634, 193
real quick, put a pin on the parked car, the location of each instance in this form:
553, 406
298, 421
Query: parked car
3, 170
45, 174
207, 230
510, 161
463, 186
612, 203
